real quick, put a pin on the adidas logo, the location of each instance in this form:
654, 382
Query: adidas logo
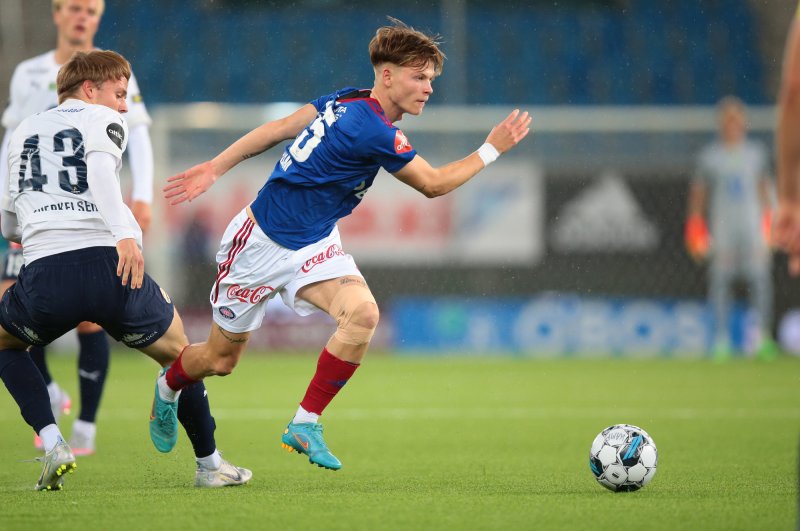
604, 217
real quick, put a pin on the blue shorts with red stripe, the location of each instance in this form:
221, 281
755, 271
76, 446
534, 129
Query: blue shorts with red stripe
55, 293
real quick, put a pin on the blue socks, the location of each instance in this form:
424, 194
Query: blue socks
27, 387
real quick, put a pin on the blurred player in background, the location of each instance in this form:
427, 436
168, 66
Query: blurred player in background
33, 89
787, 219
286, 241
83, 260
733, 176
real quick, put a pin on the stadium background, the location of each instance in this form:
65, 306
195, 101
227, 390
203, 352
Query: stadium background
570, 245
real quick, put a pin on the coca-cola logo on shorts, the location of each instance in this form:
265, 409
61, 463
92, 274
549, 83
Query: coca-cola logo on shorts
247, 295
311, 263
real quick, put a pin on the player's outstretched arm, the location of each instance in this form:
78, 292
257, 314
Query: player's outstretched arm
433, 182
191, 183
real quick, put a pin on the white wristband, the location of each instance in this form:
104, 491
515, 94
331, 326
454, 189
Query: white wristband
488, 153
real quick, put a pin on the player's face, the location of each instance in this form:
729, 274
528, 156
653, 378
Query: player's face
111, 94
732, 124
411, 87
77, 21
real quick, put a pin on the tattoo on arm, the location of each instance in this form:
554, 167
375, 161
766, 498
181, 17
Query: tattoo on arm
250, 155
232, 339
352, 280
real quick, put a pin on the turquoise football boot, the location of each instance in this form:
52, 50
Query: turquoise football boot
163, 422
306, 438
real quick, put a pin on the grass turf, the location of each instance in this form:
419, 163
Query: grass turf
435, 443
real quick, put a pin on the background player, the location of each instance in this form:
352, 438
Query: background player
33, 89
65, 206
287, 241
733, 176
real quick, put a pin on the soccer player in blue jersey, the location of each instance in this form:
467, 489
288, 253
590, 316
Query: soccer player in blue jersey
286, 241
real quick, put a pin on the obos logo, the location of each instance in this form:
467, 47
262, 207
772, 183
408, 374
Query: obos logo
116, 134
226, 312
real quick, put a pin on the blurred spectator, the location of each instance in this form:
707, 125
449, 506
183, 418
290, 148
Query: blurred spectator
197, 259
732, 190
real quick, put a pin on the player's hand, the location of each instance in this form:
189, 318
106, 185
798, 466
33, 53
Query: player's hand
786, 233
510, 131
131, 263
697, 238
191, 183
143, 214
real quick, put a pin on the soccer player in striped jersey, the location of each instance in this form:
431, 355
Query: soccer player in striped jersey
286, 241
33, 90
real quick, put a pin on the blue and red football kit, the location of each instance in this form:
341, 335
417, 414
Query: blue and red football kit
323, 175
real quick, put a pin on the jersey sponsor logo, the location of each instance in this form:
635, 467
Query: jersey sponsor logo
331, 252
247, 295
116, 134
227, 313
133, 340
401, 143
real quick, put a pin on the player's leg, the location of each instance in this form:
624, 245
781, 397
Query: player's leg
193, 412
349, 301
27, 387
60, 401
721, 275
93, 359
758, 273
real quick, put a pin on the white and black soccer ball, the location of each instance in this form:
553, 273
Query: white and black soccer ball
623, 458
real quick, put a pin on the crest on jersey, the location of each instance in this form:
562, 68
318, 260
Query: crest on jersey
401, 143
116, 134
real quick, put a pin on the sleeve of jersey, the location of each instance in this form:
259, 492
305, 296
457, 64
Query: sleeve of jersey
12, 115
101, 177
389, 147
105, 130
137, 112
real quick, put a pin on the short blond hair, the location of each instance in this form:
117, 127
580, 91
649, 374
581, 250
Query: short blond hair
402, 45
101, 6
96, 66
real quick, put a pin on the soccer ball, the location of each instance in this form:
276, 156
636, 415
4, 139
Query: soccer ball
623, 458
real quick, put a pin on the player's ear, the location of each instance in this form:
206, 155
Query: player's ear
387, 73
88, 88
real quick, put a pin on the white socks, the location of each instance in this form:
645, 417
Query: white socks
304, 417
87, 429
212, 462
54, 391
165, 391
50, 436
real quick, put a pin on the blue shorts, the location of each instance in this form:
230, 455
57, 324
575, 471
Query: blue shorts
56, 293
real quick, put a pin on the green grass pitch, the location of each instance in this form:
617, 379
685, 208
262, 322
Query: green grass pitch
434, 443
